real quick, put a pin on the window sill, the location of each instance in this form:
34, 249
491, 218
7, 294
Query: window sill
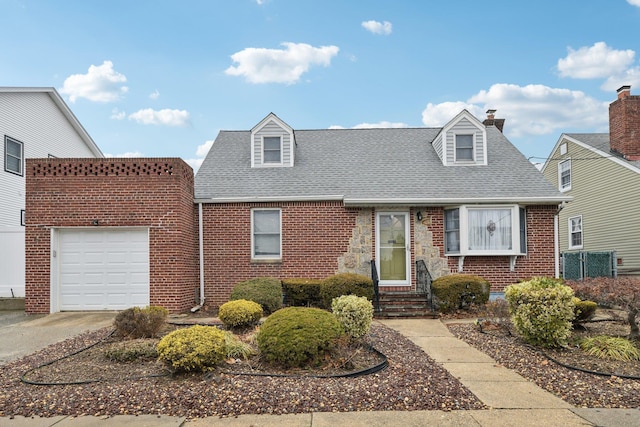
266, 260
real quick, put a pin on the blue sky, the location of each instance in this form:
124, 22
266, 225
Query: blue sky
160, 78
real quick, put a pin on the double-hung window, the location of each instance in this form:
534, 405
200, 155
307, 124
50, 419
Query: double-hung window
266, 242
464, 147
13, 155
491, 230
575, 232
272, 150
564, 175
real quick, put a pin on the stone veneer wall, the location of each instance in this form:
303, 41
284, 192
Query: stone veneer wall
358, 257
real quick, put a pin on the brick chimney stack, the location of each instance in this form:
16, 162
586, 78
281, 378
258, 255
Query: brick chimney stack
624, 125
492, 121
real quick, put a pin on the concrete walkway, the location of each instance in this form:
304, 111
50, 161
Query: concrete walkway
513, 400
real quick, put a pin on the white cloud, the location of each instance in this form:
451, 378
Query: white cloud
528, 110
203, 149
597, 61
101, 84
376, 27
117, 114
634, 2
260, 65
201, 152
165, 117
382, 124
154, 95
128, 154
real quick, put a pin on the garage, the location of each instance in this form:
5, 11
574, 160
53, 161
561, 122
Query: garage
100, 269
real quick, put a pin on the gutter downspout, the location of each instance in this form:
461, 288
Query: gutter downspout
556, 239
201, 259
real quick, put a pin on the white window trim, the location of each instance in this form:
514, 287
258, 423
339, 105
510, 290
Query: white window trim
568, 187
268, 164
21, 144
569, 242
473, 148
253, 247
464, 232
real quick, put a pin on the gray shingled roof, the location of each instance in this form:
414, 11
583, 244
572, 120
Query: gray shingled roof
358, 165
600, 141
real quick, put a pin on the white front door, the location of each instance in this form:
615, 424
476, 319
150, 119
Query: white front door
393, 250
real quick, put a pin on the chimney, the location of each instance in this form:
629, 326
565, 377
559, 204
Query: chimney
492, 121
624, 125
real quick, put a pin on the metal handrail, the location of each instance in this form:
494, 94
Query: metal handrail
423, 282
376, 290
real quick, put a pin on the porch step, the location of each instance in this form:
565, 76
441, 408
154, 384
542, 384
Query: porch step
404, 304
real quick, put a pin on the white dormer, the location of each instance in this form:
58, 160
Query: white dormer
462, 141
272, 143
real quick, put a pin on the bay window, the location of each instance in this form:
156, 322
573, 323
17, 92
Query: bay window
487, 230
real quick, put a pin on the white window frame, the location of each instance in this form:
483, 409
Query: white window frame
560, 166
262, 150
254, 256
473, 148
516, 246
571, 232
8, 139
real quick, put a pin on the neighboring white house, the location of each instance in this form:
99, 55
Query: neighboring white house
35, 122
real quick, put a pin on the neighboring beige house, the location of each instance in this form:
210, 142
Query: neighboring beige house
601, 171
34, 122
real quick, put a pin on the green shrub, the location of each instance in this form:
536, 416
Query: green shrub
449, 291
354, 314
607, 347
302, 292
197, 348
139, 322
541, 310
128, 351
240, 313
266, 291
298, 336
584, 310
236, 349
345, 284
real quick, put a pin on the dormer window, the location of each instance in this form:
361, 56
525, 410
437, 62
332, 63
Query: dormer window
464, 148
272, 150
272, 143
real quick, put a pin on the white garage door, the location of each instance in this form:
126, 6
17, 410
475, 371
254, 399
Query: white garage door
106, 269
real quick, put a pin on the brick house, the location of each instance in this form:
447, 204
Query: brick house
274, 201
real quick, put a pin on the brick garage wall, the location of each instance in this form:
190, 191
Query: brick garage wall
314, 236
539, 260
154, 193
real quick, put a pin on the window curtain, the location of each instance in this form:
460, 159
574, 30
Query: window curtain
490, 229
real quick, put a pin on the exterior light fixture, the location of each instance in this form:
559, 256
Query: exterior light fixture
419, 216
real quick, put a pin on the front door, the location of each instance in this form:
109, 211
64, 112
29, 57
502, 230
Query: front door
393, 248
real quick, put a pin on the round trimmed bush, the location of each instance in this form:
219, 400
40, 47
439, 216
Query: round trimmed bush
240, 313
354, 314
584, 310
542, 310
197, 348
345, 284
298, 336
266, 291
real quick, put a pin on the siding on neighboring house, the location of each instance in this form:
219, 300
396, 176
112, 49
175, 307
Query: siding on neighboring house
606, 195
151, 193
34, 120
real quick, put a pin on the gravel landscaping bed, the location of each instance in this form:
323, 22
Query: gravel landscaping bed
574, 386
412, 381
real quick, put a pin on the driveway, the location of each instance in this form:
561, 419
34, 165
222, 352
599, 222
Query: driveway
21, 334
